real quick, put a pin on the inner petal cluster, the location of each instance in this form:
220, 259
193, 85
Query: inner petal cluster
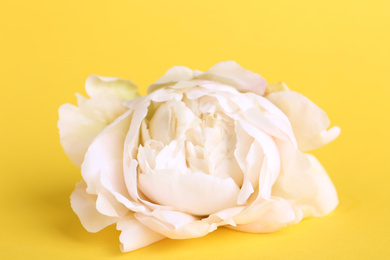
199, 151
187, 137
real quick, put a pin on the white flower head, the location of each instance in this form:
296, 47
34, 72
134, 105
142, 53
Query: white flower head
201, 150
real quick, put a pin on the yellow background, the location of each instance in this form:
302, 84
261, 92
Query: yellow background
335, 52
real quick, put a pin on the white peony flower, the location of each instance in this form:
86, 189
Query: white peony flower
201, 150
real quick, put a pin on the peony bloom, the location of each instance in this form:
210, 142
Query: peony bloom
201, 150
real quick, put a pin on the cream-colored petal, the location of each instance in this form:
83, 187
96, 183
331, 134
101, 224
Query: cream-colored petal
121, 89
268, 216
195, 193
267, 117
271, 156
80, 125
103, 171
249, 156
295, 181
195, 157
197, 228
172, 157
225, 216
77, 132
131, 144
309, 122
135, 235
325, 200
105, 151
175, 74
171, 120
172, 218
160, 124
230, 73
84, 205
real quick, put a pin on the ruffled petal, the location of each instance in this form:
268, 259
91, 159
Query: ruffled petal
77, 132
80, 125
230, 73
309, 122
102, 169
176, 225
135, 235
121, 89
270, 167
304, 181
325, 200
268, 216
195, 193
173, 75
294, 181
84, 205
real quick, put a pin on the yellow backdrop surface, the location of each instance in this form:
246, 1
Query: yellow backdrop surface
335, 52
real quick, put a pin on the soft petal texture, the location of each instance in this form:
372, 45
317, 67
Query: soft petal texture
230, 73
268, 216
325, 200
227, 72
196, 193
102, 169
84, 205
80, 125
308, 121
304, 181
202, 150
135, 235
295, 181
121, 89
175, 74
188, 229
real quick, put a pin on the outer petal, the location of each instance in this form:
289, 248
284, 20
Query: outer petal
173, 75
121, 89
304, 182
84, 205
268, 216
309, 122
230, 73
176, 225
80, 125
135, 235
102, 169
295, 181
325, 201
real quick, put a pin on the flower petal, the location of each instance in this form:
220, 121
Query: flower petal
195, 193
135, 235
268, 216
102, 169
80, 125
309, 122
121, 89
175, 74
84, 205
188, 227
325, 200
271, 156
230, 73
294, 181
